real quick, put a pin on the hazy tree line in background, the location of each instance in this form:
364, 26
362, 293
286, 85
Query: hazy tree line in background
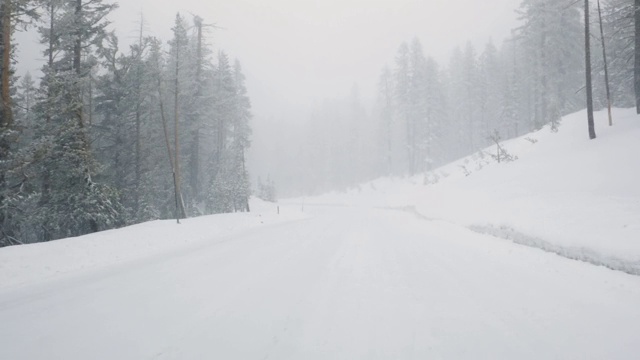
427, 114
108, 137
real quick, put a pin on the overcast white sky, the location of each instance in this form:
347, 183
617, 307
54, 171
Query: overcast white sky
296, 52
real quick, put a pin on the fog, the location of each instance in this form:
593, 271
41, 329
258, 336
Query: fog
297, 54
319, 179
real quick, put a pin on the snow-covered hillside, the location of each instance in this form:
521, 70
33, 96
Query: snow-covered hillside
45, 262
567, 194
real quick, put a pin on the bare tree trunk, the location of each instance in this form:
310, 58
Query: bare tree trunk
587, 57
606, 67
389, 146
46, 181
244, 171
77, 61
176, 131
46, 176
90, 99
6, 113
514, 79
6, 10
636, 71
79, 110
168, 145
544, 107
138, 119
195, 151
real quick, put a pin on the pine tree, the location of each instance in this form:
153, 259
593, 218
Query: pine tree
490, 76
386, 109
198, 112
550, 39
72, 149
73, 203
241, 133
510, 103
458, 125
401, 95
470, 97
435, 115
618, 18
221, 163
179, 48
417, 102
12, 13
156, 64
605, 64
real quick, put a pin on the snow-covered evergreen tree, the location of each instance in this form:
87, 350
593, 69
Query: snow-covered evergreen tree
74, 204
385, 107
229, 185
551, 39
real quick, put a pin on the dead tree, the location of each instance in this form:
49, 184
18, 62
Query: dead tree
606, 67
587, 58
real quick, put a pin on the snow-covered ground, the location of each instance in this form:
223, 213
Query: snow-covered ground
46, 261
567, 194
394, 270
345, 283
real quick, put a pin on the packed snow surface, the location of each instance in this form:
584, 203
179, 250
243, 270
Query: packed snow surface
395, 270
46, 261
346, 283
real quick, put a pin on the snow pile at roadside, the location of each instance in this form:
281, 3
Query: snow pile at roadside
41, 262
567, 194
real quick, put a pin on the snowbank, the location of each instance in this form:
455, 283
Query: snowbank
41, 262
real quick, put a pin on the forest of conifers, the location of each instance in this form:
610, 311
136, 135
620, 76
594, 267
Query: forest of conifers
428, 112
107, 137
104, 137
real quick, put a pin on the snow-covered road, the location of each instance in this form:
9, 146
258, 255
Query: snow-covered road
347, 283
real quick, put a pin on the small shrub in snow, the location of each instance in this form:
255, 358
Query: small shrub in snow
501, 154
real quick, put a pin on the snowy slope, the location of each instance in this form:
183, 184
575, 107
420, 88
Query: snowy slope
565, 193
46, 261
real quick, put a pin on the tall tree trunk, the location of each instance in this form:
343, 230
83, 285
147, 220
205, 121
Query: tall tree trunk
168, 145
514, 80
46, 176
587, 57
176, 130
195, 151
244, 172
6, 113
606, 67
543, 78
6, 28
138, 121
636, 71
79, 107
77, 61
389, 141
